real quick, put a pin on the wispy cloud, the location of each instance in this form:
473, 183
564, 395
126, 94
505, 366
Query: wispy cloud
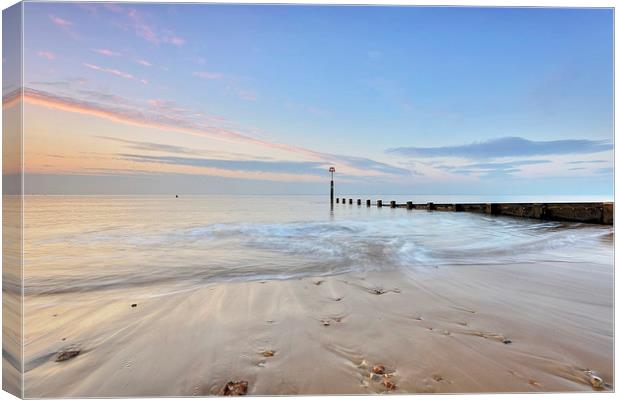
107, 52
144, 62
208, 75
507, 147
46, 54
587, 162
171, 38
490, 168
291, 167
109, 70
367, 163
150, 146
63, 24
143, 26
169, 121
180, 150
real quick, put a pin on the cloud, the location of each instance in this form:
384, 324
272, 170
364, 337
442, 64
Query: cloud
144, 62
174, 149
208, 75
63, 23
105, 97
142, 25
171, 38
177, 121
490, 168
106, 52
586, 162
150, 146
109, 70
46, 54
507, 147
367, 163
294, 167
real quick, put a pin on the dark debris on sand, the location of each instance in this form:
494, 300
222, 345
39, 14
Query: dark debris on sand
234, 388
68, 354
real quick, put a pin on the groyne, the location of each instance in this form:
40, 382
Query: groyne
591, 213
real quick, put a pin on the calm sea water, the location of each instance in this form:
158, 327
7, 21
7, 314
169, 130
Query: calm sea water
84, 243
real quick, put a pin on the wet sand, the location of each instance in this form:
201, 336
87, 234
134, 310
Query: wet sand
491, 328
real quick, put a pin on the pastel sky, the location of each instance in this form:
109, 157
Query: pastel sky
180, 98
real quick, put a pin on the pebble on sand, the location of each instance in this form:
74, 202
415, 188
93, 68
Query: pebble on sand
388, 383
268, 353
506, 341
378, 369
68, 354
134, 305
234, 388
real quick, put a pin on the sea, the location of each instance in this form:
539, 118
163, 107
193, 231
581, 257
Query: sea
94, 243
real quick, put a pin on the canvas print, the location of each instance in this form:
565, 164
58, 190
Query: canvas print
211, 199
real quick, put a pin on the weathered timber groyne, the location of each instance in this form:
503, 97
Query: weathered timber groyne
591, 213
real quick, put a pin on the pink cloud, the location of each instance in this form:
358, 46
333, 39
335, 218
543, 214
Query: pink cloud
144, 62
106, 52
141, 27
109, 70
63, 23
46, 54
173, 118
208, 75
171, 38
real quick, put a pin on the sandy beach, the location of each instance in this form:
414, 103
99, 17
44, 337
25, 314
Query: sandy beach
452, 329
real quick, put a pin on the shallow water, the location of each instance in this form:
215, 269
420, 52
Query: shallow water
87, 243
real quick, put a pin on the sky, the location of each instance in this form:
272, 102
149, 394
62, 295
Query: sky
125, 98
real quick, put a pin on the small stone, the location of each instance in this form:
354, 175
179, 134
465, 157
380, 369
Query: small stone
268, 353
325, 322
134, 305
234, 388
378, 369
506, 341
388, 384
596, 382
65, 355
